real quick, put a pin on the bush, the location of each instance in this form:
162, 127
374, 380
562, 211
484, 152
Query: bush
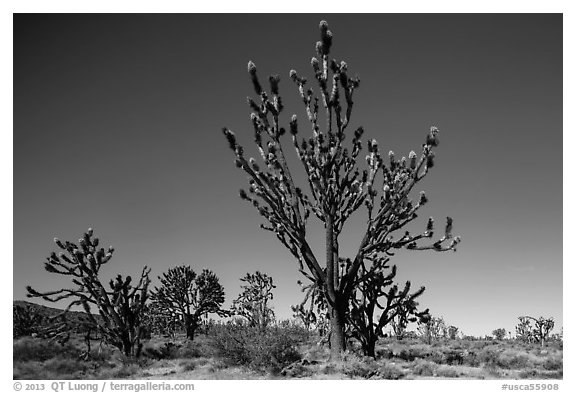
188, 365
425, 368
190, 349
447, 372
488, 356
513, 360
270, 349
453, 357
390, 371
28, 348
65, 368
167, 351
127, 370
359, 367
471, 358
553, 364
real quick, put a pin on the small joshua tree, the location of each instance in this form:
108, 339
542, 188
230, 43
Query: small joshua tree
252, 303
452, 332
378, 303
499, 334
338, 186
120, 307
432, 328
189, 295
312, 311
524, 330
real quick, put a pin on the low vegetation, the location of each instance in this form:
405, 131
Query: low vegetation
284, 350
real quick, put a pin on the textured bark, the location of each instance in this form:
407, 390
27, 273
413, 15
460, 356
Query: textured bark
337, 332
191, 326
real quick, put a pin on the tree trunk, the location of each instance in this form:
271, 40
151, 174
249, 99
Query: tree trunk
370, 349
127, 347
337, 304
191, 325
337, 329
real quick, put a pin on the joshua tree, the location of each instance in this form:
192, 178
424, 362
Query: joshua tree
252, 303
338, 186
537, 333
499, 334
452, 332
377, 293
432, 329
120, 307
189, 295
524, 330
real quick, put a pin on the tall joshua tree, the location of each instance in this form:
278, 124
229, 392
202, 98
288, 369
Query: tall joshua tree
120, 306
338, 187
189, 295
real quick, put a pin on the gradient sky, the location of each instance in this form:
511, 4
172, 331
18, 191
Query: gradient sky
117, 126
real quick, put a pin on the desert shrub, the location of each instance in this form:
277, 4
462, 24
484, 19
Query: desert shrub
406, 354
295, 331
456, 344
125, 371
269, 349
330, 368
297, 370
65, 368
168, 350
384, 353
29, 370
416, 352
537, 374
390, 371
187, 365
471, 358
28, 348
189, 350
316, 352
492, 370
510, 359
425, 368
553, 364
488, 356
453, 357
436, 356
447, 372
201, 361
359, 366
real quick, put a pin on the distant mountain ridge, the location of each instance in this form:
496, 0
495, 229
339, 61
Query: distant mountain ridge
73, 317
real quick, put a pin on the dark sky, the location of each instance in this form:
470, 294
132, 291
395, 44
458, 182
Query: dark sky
117, 126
